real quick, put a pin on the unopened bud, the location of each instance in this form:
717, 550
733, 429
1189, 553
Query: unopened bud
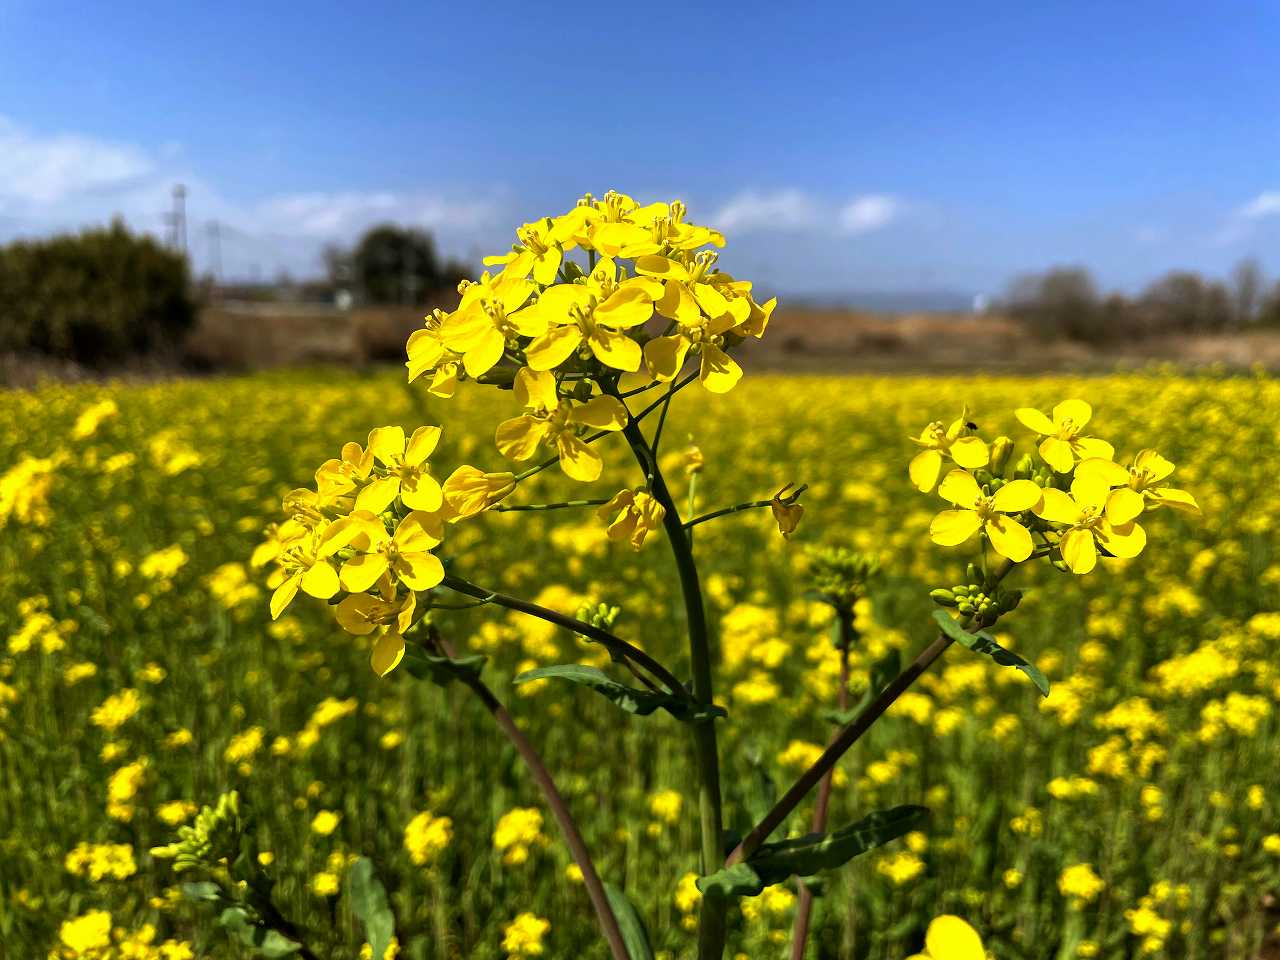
971, 573
943, 597
1025, 467
1001, 448
1009, 600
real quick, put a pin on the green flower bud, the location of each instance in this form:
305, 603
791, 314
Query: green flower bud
971, 573
962, 590
1025, 468
943, 597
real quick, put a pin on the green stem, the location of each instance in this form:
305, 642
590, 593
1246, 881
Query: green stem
739, 507
559, 809
616, 645
505, 507
711, 921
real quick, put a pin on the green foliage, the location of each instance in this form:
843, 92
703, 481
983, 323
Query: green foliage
441, 671
805, 856
264, 941
985, 644
93, 297
634, 932
369, 902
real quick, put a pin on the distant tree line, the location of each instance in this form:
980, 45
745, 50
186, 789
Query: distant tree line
1066, 302
94, 297
392, 265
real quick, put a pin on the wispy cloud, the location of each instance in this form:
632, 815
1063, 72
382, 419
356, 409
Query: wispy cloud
51, 170
869, 212
789, 209
1265, 204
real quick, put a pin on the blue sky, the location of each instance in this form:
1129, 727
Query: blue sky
842, 146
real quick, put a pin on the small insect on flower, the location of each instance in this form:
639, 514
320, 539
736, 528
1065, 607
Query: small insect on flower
956, 442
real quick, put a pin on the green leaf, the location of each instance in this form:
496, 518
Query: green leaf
805, 856
268, 943
982, 642
631, 699
883, 671
205, 891
441, 670
634, 933
369, 902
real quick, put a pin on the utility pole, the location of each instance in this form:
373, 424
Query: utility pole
177, 219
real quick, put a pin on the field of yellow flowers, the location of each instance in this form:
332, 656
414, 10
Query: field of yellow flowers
1134, 812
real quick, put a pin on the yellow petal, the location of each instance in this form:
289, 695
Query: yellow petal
1089, 492
718, 373
421, 493
677, 304
924, 469
553, 348
710, 299
377, 496
536, 389
388, 651
1016, 496
362, 571
1124, 505
547, 265
1103, 470
1077, 411
970, 452
603, 413
1177, 499
664, 356
1057, 454
353, 612
1124, 541
421, 445
1009, 538
1086, 448
321, 581
950, 938
960, 488
284, 595
418, 532
577, 460
419, 571
485, 355
1078, 551
664, 267
387, 444
1033, 419
628, 307
1155, 466
518, 438
1057, 506
615, 350
951, 528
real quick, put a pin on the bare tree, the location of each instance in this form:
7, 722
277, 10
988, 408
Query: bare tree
1247, 284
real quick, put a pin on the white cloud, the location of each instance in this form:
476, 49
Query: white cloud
1265, 204
868, 212
336, 215
789, 209
37, 171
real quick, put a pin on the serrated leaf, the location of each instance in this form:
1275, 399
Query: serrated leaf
441, 670
805, 856
631, 699
266, 942
369, 903
982, 642
634, 933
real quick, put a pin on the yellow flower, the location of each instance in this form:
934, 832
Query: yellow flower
552, 420
362, 613
116, 710
1080, 883
951, 938
786, 510
522, 937
87, 933
1062, 445
428, 354
426, 836
978, 511
940, 443
488, 316
688, 896
702, 316
1083, 512
666, 806
405, 554
325, 884
325, 822
303, 566
408, 474
636, 514
516, 832
594, 312
470, 491
543, 244
92, 417
1137, 486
